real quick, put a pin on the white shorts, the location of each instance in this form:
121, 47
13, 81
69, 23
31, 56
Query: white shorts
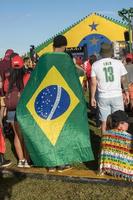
109, 105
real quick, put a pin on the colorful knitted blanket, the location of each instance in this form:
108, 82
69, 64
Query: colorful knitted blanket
117, 154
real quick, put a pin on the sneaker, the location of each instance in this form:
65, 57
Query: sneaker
64, 168
26, 164
5, 163
100, 174
21, 163
51, 169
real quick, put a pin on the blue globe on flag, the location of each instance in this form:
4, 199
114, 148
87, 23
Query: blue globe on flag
52, 102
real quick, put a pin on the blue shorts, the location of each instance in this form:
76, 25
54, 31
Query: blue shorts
108, 106
11, 116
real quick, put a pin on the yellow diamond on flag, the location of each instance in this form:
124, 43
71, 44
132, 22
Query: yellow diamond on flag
52, 104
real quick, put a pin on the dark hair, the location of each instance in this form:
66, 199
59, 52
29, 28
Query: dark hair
13, 54
26, 58
110, 124
92, 59
59, 41
16, 79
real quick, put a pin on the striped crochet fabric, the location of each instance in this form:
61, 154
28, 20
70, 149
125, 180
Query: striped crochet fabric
117, 155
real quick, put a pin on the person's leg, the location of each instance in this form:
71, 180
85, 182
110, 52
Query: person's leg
104, 111
117, 103
98, 122
26, 155
103, 126
3, 161
20, 147
17, 141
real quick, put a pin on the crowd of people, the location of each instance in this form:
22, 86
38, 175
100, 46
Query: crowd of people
109, 82
111, 92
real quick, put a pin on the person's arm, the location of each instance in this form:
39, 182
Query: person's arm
80, 71
1, 86
93, 91
124, 82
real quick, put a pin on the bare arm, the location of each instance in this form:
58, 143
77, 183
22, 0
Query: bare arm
124, 82
93, 91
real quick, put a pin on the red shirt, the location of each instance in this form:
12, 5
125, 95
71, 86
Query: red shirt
87, 68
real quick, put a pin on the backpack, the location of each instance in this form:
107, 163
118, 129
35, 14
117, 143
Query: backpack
11, 99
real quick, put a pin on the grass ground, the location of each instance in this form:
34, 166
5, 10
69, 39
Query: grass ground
35, 189
14, 188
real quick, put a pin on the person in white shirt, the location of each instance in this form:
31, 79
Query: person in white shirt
108, 75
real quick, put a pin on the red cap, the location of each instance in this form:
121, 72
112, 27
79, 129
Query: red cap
17, 62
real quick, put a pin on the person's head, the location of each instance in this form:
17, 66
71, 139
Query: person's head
129, 58
8, 53
16, 72
117, 120
17, 62
92, 59
59, 43
78, 60
27, 62
106, 50
5, 63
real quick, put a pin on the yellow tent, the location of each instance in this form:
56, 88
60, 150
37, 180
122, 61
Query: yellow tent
92, 30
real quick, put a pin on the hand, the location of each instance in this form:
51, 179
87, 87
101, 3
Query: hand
85, 88
93, 102
2, 102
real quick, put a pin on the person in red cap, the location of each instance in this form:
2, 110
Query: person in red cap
13, 86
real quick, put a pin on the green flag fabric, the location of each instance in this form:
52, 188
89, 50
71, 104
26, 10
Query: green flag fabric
52, 114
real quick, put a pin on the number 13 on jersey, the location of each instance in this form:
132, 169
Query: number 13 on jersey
109, 74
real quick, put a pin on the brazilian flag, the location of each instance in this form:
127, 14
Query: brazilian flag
52, 114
